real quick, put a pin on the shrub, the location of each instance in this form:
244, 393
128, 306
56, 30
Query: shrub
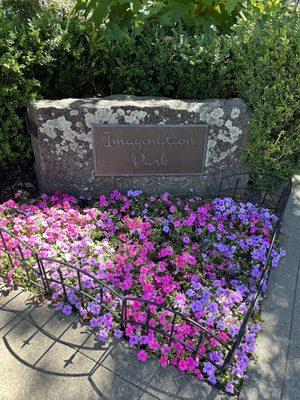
266, 62
177, 64
26, 48
159, 62
16, 89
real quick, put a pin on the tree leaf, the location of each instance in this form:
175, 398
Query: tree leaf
231, 5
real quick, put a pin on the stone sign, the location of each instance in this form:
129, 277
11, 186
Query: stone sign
138, 150
67, 159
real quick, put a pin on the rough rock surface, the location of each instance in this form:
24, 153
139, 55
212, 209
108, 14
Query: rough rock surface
63, 144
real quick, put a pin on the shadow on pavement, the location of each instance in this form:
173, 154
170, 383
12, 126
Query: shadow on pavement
55, 345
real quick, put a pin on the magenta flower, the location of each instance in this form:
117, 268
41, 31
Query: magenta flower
164, 360
142, 355
186, 239
167, 252
223, 336
182, 365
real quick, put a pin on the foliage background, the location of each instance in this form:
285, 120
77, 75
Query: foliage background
49, 52
117, 16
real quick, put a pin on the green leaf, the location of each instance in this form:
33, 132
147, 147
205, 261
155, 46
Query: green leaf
230, 5
100, 9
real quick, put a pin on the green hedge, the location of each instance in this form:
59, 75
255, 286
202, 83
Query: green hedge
55, 55
266, 63
16, 90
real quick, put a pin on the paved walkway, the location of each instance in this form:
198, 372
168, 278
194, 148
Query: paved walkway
276, 375
44, 356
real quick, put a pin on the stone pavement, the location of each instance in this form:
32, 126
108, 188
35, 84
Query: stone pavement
44, 356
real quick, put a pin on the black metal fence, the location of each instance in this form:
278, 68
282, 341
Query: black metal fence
263, 190
15, 176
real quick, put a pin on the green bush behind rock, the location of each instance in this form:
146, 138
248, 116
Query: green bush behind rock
51, 54
266, 64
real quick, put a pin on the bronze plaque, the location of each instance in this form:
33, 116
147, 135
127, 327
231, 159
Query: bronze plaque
131, 150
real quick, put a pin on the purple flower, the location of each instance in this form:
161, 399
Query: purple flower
216, 356
166, 229
186, 239
118, 334
136, 248
230, 387
255, 328
190, 293
196, 306
67, 310
211, 228
58, 306
94, 308
93, 323
134, 340
144, 340
256, 273
103, 335
134, 193
209, 369
213, 307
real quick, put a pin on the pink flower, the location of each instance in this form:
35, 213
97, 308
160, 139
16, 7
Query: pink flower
168, 251
180, 300
191, 363
129, 330
189, 259
164, 360
10, 276
11, 204
199, 374
123, 237
142, 355
182, 365
102, 201
16, 262
153, 344
214, 342
172, 209
224, 336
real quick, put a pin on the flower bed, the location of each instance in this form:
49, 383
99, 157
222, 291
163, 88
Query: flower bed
188, 269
